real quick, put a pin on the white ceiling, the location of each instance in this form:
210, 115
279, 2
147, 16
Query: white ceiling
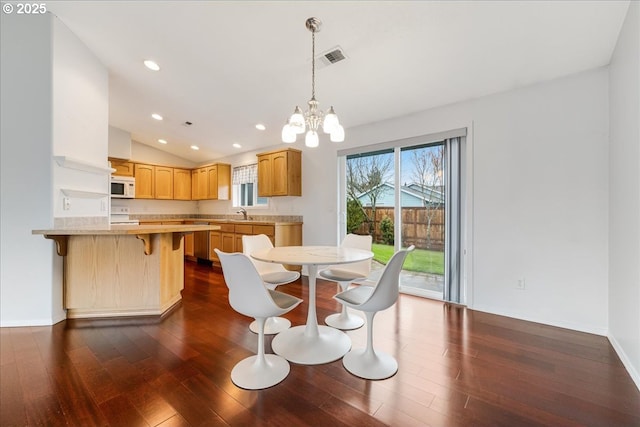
227, 65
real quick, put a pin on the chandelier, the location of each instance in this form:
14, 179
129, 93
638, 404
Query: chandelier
313, 117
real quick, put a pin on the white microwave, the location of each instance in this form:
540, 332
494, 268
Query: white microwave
123, 187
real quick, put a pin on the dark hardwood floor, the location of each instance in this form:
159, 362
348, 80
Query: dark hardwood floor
457, 367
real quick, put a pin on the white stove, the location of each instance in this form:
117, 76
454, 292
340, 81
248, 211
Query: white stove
120, 215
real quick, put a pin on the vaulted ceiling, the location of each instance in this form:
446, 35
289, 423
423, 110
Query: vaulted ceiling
228, 65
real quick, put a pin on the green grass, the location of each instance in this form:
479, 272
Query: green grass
420, 260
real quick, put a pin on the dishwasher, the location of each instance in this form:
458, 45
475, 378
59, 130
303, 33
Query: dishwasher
201, 244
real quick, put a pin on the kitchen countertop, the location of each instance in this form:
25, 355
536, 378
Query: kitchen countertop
223, 221
123, 229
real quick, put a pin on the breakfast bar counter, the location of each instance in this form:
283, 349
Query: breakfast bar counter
122, 270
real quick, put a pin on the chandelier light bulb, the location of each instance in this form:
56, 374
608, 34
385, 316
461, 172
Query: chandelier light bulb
288, 134
338, 134
330, 121
311, 140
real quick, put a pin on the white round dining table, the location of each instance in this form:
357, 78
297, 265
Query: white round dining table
311, 344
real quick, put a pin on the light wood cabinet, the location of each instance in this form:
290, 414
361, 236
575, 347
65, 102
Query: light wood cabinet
229, 237
203, 185
219, 181
195, 180
122, 167
189, 241
168, 183
163, 182
280, 173
153, 182
181, 184
211, 182
223, 239
145, 181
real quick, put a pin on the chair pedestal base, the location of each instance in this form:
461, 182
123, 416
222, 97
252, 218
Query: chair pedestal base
253, 374
344, 321
370, 365
273, 325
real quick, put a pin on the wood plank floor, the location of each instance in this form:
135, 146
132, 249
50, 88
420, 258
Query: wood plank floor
457, 368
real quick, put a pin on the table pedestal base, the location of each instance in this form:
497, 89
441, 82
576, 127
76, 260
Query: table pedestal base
306, 349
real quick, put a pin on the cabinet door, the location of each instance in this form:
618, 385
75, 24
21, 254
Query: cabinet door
164, 183
181, 184
145, 180
279, 167
215, 242
189, 245
264, 176
212, 182
195, 179
203, 184
224, 181
228, 242
122, 167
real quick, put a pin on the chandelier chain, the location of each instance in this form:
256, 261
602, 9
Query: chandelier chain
313, 65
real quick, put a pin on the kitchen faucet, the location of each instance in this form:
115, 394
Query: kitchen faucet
243, 211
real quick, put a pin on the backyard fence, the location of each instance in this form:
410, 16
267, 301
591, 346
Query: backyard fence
416, 228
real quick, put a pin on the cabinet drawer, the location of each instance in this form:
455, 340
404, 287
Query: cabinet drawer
269, 230
229, 228
244, 229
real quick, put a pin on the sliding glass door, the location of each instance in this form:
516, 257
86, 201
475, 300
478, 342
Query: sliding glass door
401, 196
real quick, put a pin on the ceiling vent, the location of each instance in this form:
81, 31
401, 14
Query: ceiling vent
331, 56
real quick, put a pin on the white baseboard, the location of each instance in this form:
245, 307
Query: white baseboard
590, 329
632, 370
26, 322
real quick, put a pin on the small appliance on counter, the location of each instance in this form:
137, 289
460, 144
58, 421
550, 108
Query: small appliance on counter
120, 215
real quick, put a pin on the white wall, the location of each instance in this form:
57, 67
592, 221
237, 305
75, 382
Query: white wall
80, 124
27, 261
288, 205
624, 194
539, 196
53, 103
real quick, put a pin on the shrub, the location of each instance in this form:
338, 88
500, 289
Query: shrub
355, 215
386, 227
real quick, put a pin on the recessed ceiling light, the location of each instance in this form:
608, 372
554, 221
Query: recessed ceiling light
260, 126
162, 141
156, 116
152, 65
195, 147
236, 145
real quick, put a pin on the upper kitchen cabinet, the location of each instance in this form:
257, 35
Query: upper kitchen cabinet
153, 182
280, 173
181, 184
145, 181
163, 182
219, 181
211, 182
122, 167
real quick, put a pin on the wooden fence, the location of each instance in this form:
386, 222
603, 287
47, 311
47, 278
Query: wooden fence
415, 228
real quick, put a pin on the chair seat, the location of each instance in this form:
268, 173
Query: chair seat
355, 296
282, 300
280, 277
338, 275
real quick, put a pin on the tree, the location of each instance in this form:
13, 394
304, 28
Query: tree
428, 172
366, 175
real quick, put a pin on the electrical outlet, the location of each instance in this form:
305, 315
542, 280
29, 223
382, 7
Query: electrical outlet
103, 205
66, 203
521, 284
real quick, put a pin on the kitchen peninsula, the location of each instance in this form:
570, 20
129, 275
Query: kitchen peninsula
122, 270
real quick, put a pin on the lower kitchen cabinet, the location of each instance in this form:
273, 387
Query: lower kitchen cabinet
229, 237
